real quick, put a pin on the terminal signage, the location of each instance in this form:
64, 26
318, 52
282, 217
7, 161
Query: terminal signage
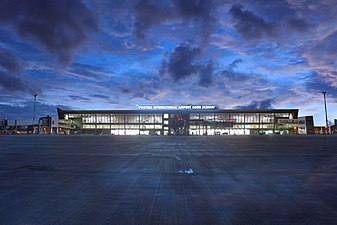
176, 107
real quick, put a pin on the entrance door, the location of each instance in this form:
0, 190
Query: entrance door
179, 124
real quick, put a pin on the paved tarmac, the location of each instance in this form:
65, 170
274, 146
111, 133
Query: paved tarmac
79, 180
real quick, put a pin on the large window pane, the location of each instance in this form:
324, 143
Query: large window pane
131, 118
194, 116
117, 118
267, 118
89, 118
158, 118
103, 126
221, 117
252, 118
283, 115
89, 126
146, 118
103, 118
207, 116
238, 117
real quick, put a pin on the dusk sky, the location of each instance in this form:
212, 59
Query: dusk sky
116, 54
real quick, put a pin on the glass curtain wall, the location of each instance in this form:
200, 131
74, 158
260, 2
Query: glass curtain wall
218, 123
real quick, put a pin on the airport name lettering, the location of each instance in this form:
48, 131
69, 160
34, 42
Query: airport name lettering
176, 107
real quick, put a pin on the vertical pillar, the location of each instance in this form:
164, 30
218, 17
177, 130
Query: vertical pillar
326, 115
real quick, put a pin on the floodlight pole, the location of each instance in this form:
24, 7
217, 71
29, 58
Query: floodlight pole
326, 113
34, 106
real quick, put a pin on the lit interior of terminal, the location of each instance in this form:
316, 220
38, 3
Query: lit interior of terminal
193, 120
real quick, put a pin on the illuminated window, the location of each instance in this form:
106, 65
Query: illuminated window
252, 117
194, 116
117, 118
89, 118
284, 115
103, 118
158, 118
131, 118
88, 126
146, 118
103, 126
207, 116
238, 117
267, 118
159, 127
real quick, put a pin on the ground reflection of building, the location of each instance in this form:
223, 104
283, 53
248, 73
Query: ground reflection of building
179, 121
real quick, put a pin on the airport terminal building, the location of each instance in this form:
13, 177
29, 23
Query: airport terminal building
179, 120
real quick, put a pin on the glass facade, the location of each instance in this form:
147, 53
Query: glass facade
194, 122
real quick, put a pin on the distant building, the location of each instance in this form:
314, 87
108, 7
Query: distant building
179, 120
306, 125
334, 127
44, 125
321, 130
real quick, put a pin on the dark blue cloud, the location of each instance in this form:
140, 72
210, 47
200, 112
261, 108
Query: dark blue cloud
317, 83
100, 96
9, 72
150, 14
280, 25
298, 25
59, 27
249, 25
11, 83
185, 61
78, 98
182, 62
8, 61
263, 104
206, 74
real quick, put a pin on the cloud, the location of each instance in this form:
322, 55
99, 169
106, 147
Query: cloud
297, 25
11, 83
200, 13
249, 25
231, 75
150, 14
185, 61
8, 61
9, 68
234, 64
206, 74
105, 97
145, 89
59, 27
318, 83
264, 104
281, 26
324, 53
79, 98
182, 62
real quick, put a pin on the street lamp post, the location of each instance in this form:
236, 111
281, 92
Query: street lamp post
34, 106
326, 113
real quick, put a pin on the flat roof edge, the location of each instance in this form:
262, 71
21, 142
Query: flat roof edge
172, 111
